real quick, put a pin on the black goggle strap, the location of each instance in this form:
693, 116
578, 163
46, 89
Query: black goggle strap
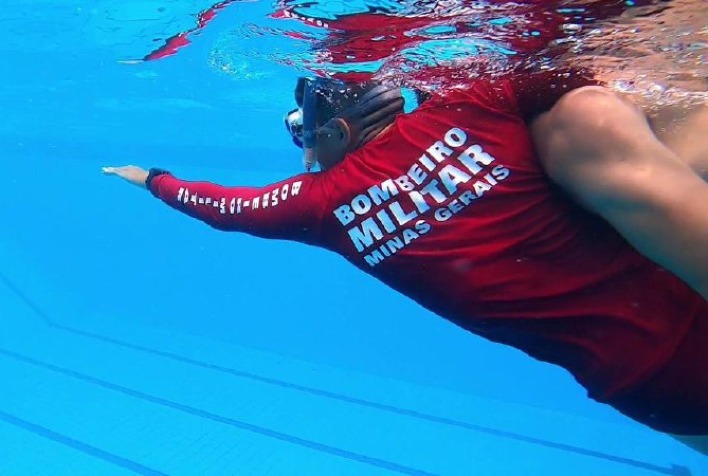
377, 109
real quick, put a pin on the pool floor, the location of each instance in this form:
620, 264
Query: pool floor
102, 397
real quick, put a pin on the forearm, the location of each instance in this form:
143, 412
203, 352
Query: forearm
204, 201
284, 210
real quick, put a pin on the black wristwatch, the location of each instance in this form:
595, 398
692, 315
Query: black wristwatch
152, 173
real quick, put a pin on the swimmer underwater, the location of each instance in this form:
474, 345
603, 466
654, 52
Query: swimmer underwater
451, 206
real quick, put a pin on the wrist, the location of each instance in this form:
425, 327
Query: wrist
152, 173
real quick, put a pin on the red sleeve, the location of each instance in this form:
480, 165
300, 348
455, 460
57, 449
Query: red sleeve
537, 92
289, 210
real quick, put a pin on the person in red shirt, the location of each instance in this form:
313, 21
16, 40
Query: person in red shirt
451, 206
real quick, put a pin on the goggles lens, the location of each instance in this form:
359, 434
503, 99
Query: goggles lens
295, 127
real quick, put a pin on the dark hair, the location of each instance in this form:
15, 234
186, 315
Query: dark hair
333, 96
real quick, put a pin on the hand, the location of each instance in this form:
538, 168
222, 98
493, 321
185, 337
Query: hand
131, 173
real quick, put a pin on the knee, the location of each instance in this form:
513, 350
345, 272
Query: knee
598, 97
587, 120
587, 124
591, 110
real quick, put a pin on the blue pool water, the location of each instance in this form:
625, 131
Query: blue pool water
134, 340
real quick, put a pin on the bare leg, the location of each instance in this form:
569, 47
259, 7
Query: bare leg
602, 151
698, 443
681, 127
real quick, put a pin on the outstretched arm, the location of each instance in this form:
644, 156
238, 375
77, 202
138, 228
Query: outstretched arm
285, 210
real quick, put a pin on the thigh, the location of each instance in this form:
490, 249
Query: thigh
603, 152
681, 127
598, 128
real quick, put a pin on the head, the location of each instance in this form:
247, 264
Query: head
334, 118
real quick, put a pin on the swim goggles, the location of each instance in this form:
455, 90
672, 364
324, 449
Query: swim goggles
372, 112
301, 121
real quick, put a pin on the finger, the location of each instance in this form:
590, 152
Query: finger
109, 170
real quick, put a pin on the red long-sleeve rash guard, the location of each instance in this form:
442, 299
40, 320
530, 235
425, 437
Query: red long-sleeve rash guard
451, 208
284, 210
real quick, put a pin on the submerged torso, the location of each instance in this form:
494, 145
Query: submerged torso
452, 209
